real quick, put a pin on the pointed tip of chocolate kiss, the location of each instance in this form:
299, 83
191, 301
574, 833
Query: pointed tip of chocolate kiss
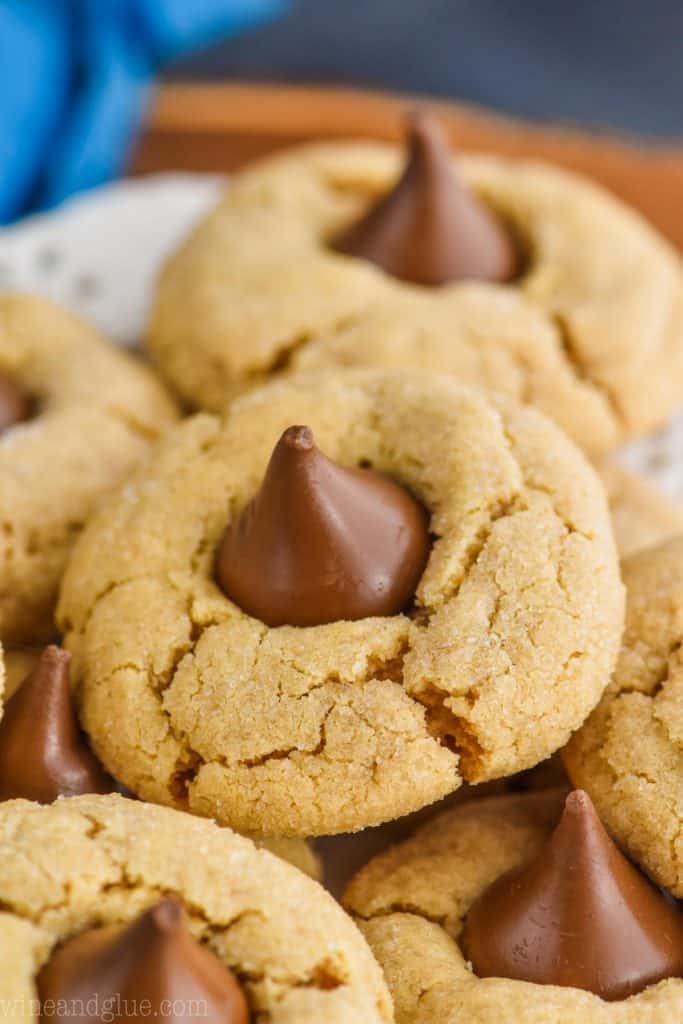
430, 229
154, 961
320, 543
580, 836
579, 802
424, 131
55, 660
579, 810
298, 437
43, 753
428, 150
580, 916
167, 915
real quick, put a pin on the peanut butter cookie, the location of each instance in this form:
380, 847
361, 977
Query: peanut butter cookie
82, 865
47, 758
76, 416
19, 661
503, 649
642, 515
588, 326
511, 909
629, 754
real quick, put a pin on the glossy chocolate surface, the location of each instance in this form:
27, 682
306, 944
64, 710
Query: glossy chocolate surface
43, 753
152, 968
580, 915
321, 543
431, 229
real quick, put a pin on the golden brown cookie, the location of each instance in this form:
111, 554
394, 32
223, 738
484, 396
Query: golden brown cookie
629, 754
19, 661
411, 903
297, 852
343, 855
642, 516
91, 414
93, 861
591, 332
309, 731
49, 735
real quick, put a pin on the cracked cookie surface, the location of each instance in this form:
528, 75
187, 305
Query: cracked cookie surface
591, 333
18, 662
629, 754
642, 515
308, 731
97, 412
411, 903
91, 861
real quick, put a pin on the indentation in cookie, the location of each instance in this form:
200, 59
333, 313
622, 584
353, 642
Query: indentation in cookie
430, 229
16, 406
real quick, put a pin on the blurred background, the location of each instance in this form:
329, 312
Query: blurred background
614, 64
84, 84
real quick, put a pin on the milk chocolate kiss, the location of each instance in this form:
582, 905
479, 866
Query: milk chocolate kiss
15, 405
580, 916
153, 964
430, 229
43, 753
320, 543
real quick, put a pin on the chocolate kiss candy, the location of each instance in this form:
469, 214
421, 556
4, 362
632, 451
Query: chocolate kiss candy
580, 916
320, 543
43, 754
153, 968
15, 405
430, 229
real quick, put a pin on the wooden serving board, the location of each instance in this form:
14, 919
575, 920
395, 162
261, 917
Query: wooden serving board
223, 126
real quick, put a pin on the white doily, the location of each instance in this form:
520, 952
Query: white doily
100, 253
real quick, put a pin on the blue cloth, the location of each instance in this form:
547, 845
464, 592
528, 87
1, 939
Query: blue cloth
75, 77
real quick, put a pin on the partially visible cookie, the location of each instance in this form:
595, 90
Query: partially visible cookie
19, 661
414, 902
297, 852
344, 855
590, 331
629, 754
309, 730
51, 759
95, 861
642, 516
79, 416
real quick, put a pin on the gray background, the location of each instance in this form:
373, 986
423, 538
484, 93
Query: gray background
612, 63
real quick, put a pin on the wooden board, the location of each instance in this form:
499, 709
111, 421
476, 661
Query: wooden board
223, 126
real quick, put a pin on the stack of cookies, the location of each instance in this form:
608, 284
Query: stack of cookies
373, 571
